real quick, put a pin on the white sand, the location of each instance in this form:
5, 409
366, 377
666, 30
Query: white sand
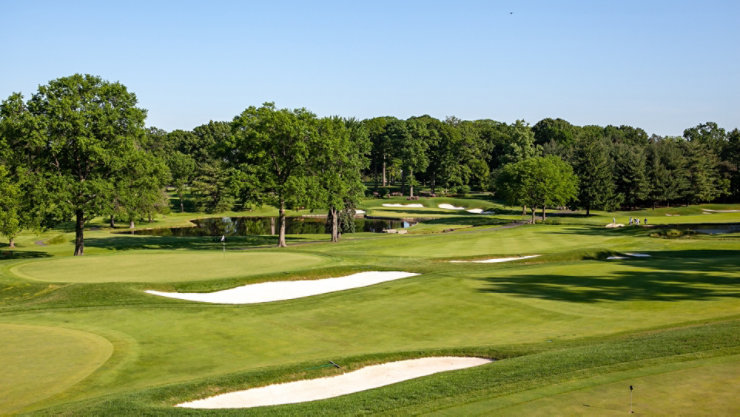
638, 255
285, 290
497, 260
450, 207
363, 379
616, 257
359, 211
613, 225
721, 211
475, 211
402, 205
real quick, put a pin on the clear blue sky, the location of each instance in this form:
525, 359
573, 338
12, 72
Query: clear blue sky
660, 65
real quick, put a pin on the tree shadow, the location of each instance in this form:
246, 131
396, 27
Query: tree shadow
678, 276
131, 242
468, 220
22, 254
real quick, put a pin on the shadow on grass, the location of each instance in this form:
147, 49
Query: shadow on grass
193, 243
22, 254
469, 220
677, 276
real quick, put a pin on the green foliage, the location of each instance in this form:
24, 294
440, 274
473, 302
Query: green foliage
140, 187
704, 180
537, 182
555, 132
338, 154
629, 173
79, 131
592, 165
10, 224
273, 146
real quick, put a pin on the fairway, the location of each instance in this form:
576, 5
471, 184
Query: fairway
39, 362
165, 266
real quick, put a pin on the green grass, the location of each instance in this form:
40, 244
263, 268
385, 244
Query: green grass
165, 266
568, 328
39, 362
695, 387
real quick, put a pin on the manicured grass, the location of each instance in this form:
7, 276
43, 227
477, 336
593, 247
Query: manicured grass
569, 322
697, 387
165, 266
39, 362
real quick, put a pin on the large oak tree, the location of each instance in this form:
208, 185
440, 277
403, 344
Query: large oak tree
86, 128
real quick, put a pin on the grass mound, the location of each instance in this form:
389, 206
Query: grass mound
164, 266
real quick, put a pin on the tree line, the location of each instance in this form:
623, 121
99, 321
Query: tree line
79, 148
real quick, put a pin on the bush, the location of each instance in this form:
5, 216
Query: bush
462, 190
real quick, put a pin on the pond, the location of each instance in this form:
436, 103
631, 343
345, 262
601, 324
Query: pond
242, 226
716, 229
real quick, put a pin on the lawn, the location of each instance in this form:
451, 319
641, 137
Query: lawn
569, 330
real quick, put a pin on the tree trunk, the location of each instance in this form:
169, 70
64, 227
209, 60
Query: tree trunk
411, 183
281, 225
182, 205
434, 182
588, 209
150, 217
79, 233
112, 222
272, 225
524, 211
384, 179
543, 213
11, 243
131, 224
334, 224
533, 219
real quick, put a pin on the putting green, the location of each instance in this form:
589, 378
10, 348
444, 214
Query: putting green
38, 362
164, 266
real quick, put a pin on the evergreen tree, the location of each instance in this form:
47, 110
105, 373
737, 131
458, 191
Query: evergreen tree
596, 184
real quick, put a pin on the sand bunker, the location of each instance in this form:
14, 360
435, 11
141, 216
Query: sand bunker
416, 205
612, 225
497, 260
369, 377
473, 210
285, 290
720, 211
629, 255
359, 211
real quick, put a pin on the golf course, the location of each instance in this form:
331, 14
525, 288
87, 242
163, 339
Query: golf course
566, 332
